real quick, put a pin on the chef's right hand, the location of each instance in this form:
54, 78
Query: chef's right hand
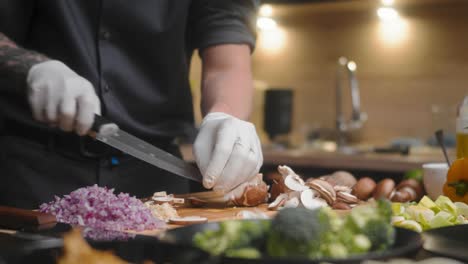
61, 97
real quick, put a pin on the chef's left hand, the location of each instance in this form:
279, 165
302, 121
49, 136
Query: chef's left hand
227, 151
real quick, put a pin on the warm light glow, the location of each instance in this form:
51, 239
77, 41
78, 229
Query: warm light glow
393, 29
271, 41
387, 14
265, 10
352, 66
388, 2
266, 23
393, 32
329, 146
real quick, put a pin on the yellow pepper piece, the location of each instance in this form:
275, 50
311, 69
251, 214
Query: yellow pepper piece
456, 186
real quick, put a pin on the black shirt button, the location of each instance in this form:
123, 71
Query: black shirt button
104, 34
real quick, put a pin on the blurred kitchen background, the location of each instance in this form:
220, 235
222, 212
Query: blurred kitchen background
410, 59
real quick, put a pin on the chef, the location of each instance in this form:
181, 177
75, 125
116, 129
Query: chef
62, 61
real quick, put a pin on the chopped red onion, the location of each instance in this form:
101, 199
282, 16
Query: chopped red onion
99, 207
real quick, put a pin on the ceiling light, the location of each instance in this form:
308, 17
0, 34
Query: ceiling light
387, 14
388, 2
266, 23
266, 10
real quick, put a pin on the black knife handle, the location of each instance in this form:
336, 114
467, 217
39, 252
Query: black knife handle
100, 122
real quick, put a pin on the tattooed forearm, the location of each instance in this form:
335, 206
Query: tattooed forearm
16, 61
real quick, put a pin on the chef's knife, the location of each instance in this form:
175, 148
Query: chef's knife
110, 134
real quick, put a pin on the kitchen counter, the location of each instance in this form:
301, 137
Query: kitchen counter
219, 214
310, 159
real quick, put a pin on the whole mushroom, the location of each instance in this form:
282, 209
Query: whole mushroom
364, 188
413, 184
384, 189
342, 178
408, 190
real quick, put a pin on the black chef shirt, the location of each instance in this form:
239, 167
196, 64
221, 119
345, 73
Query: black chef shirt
135, 53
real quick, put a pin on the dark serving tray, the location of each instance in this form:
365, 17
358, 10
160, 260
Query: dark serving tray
39, 248
407, 243
176, 247
451, 241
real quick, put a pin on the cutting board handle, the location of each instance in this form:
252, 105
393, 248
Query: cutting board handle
16, 218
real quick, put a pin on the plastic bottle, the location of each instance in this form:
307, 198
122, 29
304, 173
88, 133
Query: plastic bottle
462, 129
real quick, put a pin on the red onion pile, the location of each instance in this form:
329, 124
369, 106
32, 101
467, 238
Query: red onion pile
98, 207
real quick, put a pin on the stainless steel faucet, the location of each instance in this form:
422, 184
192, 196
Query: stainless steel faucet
357, 117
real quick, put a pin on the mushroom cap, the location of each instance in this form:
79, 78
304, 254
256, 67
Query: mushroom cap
384, 189
364, 188
343, 178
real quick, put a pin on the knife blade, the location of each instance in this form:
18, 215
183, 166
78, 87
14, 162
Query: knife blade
110, 134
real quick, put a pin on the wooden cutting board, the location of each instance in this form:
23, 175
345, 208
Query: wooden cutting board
213, 215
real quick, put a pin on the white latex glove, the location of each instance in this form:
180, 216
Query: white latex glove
227, 151
59, 96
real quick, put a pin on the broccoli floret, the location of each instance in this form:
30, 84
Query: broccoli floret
296, 232
373, 221
247, 253
231, 235
380, 233
384, 208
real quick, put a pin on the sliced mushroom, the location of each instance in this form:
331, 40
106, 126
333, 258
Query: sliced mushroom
285, 170
278, 202
292, 203
325, 190
310, 201
294, 199
341, 188
347, 198
341, 206
295, 183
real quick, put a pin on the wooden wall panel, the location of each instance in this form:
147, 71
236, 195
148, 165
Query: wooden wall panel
399, 83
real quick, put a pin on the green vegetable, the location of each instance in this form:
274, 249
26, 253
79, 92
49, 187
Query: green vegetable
429, 214
428, 203
445, 204
462, 208
231, 235
296, 231
380, 233
375, 223
336, 250
361, 244
303, 233
442, 219
247, 253
421, 214
409, 224
416, 174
